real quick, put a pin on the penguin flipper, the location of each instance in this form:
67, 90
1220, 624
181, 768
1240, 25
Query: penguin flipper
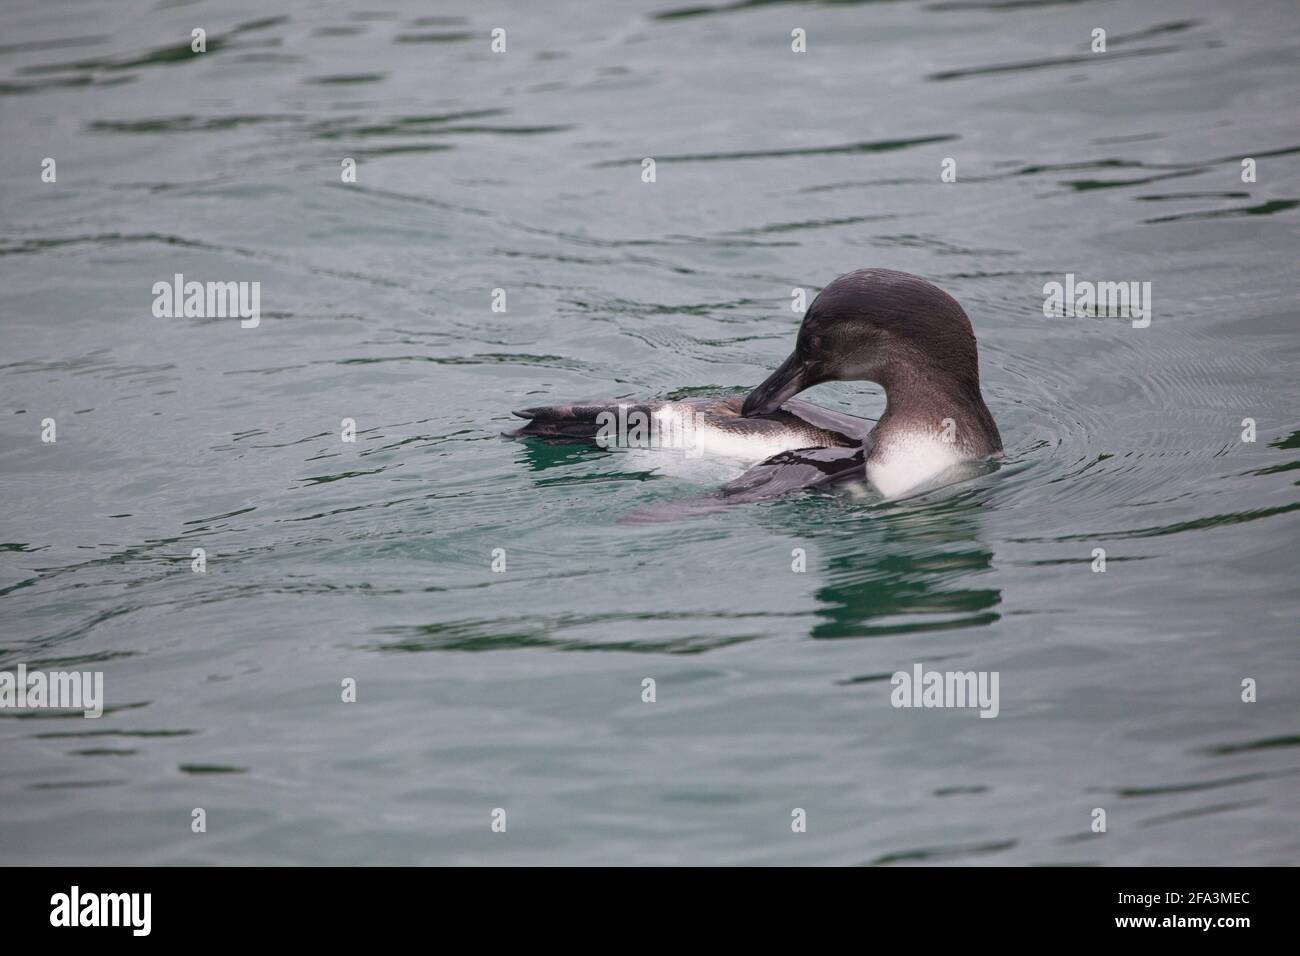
574, 421
804, 469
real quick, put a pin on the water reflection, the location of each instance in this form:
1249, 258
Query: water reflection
896, 570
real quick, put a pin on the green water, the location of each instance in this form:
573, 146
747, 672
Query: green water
522, 690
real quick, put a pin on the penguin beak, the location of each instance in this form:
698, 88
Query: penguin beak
794, 375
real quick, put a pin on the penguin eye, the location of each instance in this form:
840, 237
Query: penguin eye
815, 343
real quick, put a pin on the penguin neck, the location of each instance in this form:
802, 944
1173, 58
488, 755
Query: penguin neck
922, 399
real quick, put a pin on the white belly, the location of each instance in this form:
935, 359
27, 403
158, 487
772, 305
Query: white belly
909, 462
678, 429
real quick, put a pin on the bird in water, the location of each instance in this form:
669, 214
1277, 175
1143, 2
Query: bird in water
874, 325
